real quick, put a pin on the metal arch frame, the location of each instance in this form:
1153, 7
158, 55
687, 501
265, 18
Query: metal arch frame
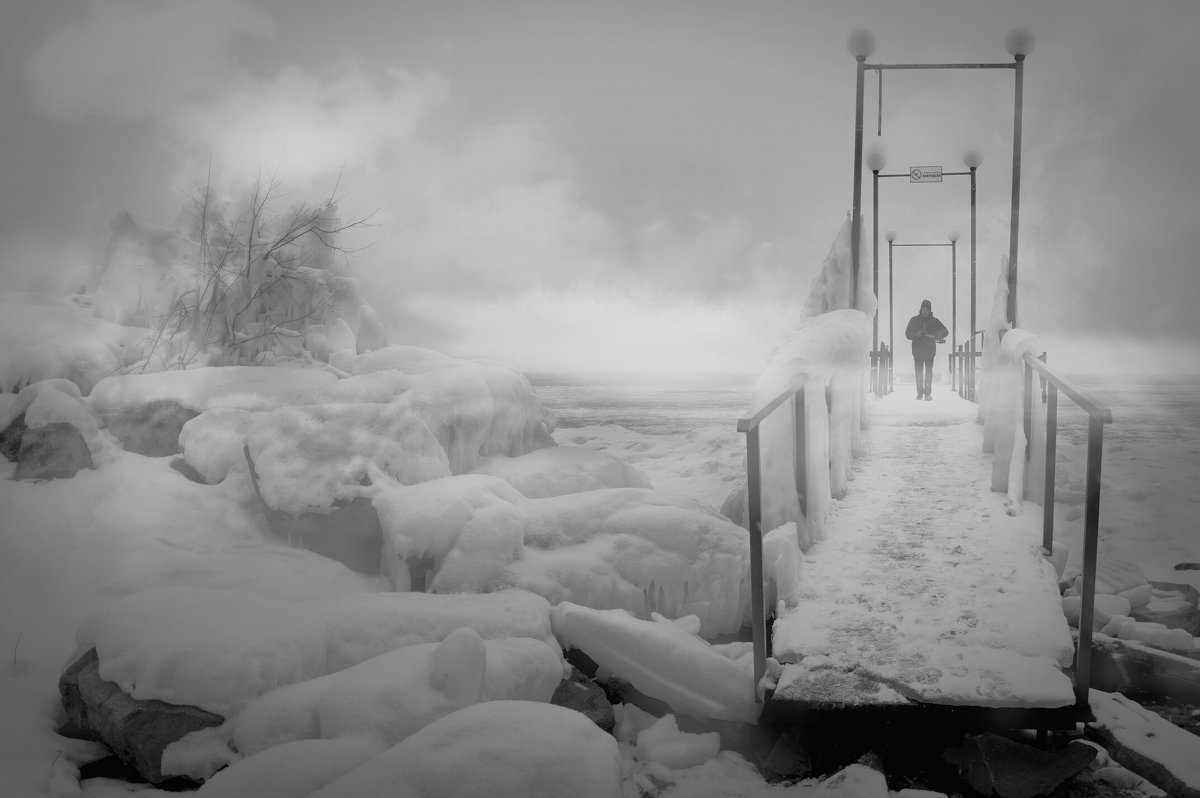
1018, 67
875, 259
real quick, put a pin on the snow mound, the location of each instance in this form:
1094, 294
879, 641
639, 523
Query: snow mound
307, 458
396, 694
475, 751
47, 337
214, 442
219, 649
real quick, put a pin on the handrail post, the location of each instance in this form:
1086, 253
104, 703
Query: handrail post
800, 467
754, 518
1027, 402
1091, 526
1051, 464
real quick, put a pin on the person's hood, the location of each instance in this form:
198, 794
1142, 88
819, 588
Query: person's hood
925, 303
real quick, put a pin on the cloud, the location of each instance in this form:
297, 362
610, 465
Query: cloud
482, 241
303, 126
608, 330
131, 60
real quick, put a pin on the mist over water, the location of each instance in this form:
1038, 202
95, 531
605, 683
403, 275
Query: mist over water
1146, 410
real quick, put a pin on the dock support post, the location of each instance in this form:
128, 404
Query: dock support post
1051, 463
754, 513
1091, 526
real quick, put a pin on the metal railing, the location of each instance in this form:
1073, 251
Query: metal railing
750, 426
881, 370
1098, 416
964, 370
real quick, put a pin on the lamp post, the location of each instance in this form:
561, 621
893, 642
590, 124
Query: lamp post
972, 160
875, 163
1019, 44
953, 302
861, 44
891, 237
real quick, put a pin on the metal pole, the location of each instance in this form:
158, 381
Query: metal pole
953, 294
953, 305
971, 331
754, 522
891, 322
856, 210
875, 255
1091, 525
1014, 222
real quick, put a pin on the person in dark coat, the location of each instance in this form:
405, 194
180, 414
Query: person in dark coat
926, 332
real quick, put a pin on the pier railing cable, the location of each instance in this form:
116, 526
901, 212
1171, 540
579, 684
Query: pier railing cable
750, 426
1098, 416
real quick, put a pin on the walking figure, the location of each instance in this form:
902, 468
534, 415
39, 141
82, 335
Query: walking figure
925, 331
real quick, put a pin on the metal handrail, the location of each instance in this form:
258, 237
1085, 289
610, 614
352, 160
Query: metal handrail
1098, 415
749, 425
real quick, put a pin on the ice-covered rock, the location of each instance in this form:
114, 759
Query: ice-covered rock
213, 442
479, 410
475, 751
660, 660
48, 337
629, 548
220, 649
666, 745
137, 731
306, 458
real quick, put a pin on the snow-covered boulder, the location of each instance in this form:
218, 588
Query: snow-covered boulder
631, 548
48, 336
307, 458
480, 410
49, 432
137, 731
219, 649
387, 698
661, 660
475, 751
213, 443
396, 694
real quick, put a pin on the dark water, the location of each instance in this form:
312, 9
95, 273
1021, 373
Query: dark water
1146, 410
660, 404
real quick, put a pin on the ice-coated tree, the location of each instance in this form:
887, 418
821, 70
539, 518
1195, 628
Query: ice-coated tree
237, 281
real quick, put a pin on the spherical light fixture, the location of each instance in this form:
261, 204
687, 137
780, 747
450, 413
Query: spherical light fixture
860, 43
890, 235
972, 159
875, 160
1019, 42
953, 236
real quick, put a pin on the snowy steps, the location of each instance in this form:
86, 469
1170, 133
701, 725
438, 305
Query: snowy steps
926, 596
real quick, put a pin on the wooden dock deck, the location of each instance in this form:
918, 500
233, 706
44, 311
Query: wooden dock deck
926, 593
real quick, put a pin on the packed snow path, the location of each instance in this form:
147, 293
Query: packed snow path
925, 586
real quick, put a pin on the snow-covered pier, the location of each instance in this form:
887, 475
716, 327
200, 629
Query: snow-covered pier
925, 591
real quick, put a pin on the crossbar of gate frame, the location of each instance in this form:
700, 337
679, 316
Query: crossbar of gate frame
1098, 415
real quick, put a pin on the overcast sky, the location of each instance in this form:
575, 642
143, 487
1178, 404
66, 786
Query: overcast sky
629, 185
